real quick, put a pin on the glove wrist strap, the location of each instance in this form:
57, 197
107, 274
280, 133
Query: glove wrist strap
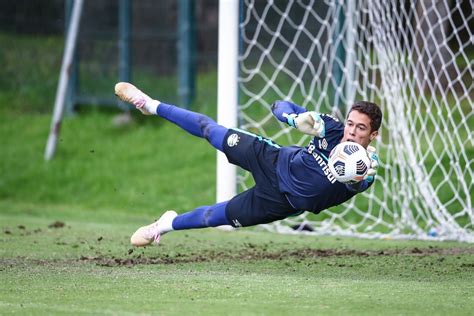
291, 120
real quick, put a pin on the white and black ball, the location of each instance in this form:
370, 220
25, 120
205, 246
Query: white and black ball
349, 162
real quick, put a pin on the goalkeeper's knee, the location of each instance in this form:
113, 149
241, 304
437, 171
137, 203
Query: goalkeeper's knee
213, 132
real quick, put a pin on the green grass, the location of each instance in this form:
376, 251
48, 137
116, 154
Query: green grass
97, 165
72, 270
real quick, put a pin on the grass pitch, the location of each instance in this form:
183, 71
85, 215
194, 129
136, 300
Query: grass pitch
65, 264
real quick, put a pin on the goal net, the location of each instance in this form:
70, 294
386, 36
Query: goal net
414, 59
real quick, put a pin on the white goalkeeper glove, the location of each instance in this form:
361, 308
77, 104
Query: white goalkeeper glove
309, 123
374, 163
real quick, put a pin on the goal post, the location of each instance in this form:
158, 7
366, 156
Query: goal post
414, 59
227, 90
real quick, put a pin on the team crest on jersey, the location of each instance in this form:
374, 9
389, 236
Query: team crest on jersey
323, 144
233, 140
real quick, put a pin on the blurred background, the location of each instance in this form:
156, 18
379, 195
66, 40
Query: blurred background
104, 161
152, 34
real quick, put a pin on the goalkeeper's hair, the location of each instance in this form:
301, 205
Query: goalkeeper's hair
372, 110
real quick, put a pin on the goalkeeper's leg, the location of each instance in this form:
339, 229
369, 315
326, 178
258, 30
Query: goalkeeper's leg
201, 217
194, 123
257, 205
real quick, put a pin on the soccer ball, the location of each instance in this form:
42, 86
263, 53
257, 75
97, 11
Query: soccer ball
349, 162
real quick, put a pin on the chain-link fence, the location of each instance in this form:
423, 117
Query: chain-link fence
32, 35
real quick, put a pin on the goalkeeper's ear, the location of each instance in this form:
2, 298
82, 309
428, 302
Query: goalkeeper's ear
373, 135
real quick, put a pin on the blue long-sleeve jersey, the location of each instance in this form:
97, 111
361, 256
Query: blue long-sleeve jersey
303, 173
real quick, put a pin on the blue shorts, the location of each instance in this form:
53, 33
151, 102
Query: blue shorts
263, 203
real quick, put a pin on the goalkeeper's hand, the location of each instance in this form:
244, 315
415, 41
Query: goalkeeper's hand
309, 123
374, 163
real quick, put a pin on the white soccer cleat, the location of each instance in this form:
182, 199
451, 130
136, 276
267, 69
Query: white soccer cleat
146, 235
129, 93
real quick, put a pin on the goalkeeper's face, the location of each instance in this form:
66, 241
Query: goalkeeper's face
357, 129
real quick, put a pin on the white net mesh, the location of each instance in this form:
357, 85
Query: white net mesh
413, 58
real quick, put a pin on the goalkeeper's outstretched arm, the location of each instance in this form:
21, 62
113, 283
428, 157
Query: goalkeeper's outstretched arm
307, 122
283, 109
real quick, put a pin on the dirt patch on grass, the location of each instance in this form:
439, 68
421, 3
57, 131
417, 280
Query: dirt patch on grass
255, 254
248, 254
246, 251
57, 224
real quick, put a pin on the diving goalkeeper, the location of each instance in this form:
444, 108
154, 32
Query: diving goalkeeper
288, 180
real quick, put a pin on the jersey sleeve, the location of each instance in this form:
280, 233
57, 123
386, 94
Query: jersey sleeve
333, 126
360, 186
283, 109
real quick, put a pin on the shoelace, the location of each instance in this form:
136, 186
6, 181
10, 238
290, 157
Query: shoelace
156, 238
154, 235
138, 101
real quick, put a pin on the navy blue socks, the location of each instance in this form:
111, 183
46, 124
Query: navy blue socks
194, 123
203, 216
